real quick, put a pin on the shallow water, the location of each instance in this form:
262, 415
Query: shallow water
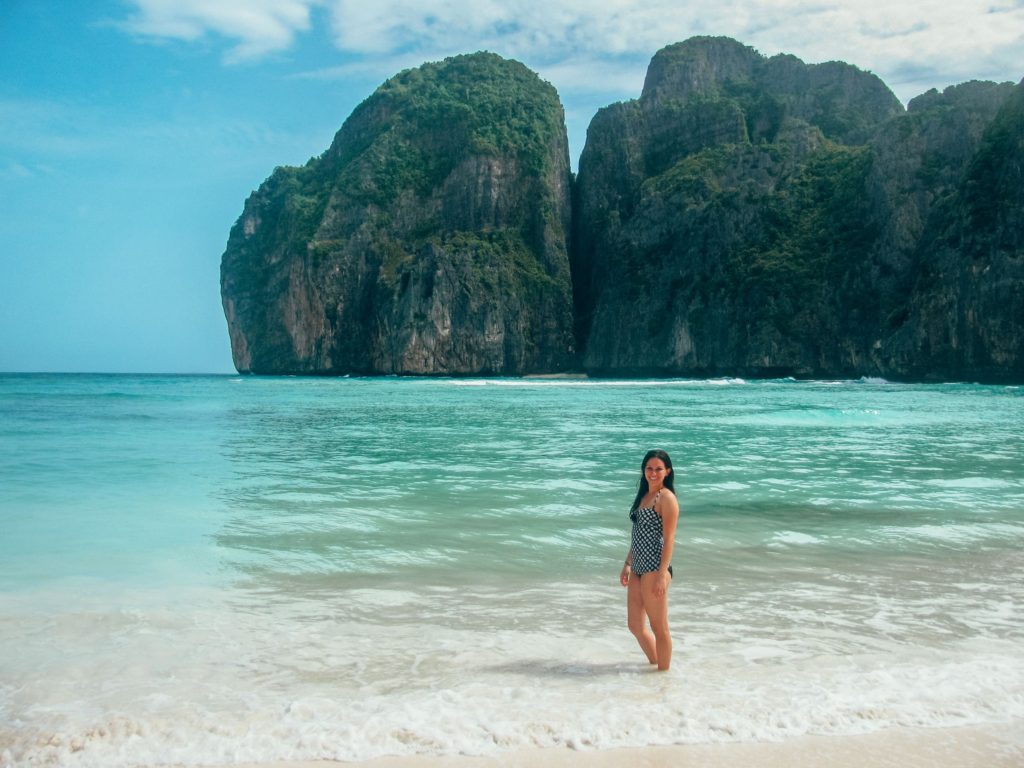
213, 569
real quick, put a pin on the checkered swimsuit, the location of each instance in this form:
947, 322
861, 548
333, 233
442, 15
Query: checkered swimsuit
648, 538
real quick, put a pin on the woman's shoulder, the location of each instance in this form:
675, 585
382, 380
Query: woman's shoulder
666, 495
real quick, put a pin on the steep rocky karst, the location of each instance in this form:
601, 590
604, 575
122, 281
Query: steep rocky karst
430, 238
965, 314
744, 216
763, 217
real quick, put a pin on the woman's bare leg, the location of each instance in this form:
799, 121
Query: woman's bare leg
637, 619
656, 609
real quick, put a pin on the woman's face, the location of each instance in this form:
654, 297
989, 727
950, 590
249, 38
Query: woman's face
655, 471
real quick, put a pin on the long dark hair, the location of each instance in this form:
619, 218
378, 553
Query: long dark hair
642, 487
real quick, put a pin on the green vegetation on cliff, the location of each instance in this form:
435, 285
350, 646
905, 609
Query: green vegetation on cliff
777, 218
493, 106
816, 223
744, 215
419, 125
431, 237
993, 189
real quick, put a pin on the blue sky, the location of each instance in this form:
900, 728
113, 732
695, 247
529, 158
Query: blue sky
131, 132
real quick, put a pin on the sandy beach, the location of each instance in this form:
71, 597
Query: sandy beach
991, 746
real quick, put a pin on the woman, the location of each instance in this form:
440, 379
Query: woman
648, 567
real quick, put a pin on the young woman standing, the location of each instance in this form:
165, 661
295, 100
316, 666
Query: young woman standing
648, 568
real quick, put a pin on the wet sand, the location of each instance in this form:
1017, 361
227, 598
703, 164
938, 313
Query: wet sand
990, 746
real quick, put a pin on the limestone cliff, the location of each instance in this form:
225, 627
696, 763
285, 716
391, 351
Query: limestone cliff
762, 217
431, 238
965, 315
744, 215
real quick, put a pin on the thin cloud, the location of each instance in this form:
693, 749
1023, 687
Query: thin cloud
37, 137
373, 69
43, 127
583, 75
15, 171
258, 27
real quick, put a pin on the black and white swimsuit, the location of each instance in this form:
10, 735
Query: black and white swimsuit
648, 539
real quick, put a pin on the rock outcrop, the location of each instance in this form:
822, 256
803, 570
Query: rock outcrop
964, 319
430, 238
745, 216
763, 217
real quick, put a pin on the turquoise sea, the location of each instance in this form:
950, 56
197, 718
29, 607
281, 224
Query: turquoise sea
207, 570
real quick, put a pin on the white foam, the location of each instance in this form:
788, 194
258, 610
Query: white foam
970, 482
375, 671
583, 702
954, 534
553, 541
383, 598
586, 382
731, 485
795, 537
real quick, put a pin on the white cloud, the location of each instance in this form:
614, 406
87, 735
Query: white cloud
913, 44
259, 27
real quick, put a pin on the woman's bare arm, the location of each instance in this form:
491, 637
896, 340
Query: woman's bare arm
669, 521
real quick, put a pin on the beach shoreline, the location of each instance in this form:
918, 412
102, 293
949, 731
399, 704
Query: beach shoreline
213, 571
981, 746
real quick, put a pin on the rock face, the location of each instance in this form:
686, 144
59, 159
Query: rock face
960, 155
745, 216
430, 238
764, 217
